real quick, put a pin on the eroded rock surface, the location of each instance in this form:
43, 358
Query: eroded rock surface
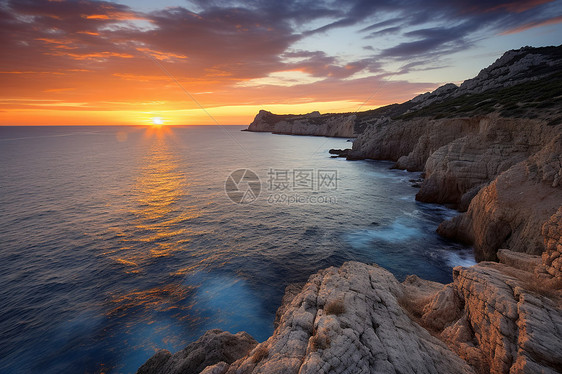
504, 327
348, 320
215, 347
493, 318
552, 256
510, 211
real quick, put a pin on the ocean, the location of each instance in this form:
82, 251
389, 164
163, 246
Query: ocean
119, 241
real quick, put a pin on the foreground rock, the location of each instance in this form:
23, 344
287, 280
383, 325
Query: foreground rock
504, 327
215, 347
493, 318
349, 320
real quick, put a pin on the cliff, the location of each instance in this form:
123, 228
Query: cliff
510, 211
490, 148
359, 319
518, 84
316, 124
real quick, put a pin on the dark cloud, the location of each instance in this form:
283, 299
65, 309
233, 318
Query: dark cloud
389, 30
215, 44
396, 16
431, 41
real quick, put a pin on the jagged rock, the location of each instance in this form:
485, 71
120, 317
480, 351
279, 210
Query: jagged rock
359, 319
552, 256
370, 333
513, 329
214, 347
291, 291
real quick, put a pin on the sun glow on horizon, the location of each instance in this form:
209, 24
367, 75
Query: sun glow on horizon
157, 121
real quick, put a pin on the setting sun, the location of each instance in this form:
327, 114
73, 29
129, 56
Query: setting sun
157, 121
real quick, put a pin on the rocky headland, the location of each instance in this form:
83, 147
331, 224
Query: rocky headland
492, 148
493, 318
315, 124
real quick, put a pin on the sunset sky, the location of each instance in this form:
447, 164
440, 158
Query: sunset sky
126, 62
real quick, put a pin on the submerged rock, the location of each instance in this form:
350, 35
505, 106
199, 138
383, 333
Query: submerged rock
339, 152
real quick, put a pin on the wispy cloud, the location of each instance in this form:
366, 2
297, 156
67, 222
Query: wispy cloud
239, 52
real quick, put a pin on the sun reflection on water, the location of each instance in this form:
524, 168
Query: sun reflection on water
156, 226
160, 216
168, 295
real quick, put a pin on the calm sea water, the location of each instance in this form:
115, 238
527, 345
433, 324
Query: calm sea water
118, 241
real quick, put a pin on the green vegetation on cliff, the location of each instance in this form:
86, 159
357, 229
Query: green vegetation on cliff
533, 99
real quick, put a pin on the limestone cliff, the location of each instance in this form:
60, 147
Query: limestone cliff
360, 319
490, 147
316, 124
510, 211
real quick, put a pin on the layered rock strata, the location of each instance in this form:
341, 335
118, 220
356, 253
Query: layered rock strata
511, 210
552, 256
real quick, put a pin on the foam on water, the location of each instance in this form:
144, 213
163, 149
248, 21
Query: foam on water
397, 231
460, 258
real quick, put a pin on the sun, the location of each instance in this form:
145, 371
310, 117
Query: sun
157, 121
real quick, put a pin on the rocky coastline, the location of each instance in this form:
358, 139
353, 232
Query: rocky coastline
493, 318
495, 155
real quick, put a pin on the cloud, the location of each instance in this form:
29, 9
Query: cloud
431, 41
242, 51
530, 25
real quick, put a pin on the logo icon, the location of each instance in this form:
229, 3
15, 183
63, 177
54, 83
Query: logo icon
242, 186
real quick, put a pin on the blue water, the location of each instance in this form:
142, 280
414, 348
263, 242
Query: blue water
118, 241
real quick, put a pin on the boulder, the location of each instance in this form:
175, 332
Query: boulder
214, 347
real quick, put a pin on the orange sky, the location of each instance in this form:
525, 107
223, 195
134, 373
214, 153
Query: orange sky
93, 62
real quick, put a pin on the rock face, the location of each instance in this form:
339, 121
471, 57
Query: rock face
348, 320
335, 125
410, 142
504, 328
552, 256
510, 211
503, 171
478, 157
493, 318
215, 347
